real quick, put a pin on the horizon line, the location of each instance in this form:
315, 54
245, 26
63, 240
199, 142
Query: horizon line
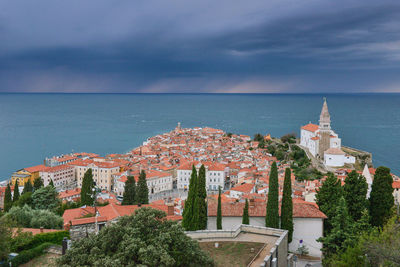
209, 93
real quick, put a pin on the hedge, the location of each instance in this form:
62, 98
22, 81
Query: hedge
52, 237
28, 255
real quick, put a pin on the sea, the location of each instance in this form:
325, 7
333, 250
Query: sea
36, 126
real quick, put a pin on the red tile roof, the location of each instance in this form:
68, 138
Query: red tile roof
310, 127
301, 209
37, 168
245, 188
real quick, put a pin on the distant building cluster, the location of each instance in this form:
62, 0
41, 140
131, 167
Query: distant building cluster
323, 143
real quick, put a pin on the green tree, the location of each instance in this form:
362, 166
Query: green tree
142, 192
24, 199
37, 183
272, 214
342, 231
16, 193
287, 205
28, 217
46, 198
355, 192
245, 217
187, 221
381, 198
27, 187
258, 137
327, 199
7, 198
87, 197
143, 239
219, 210
202, 195
129, 197
5, 239
51, 183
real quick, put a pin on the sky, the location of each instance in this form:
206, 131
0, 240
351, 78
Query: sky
208, 46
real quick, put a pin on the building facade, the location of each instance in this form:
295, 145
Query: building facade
215, 175
63, 177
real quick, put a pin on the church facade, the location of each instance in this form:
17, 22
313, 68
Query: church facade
322, 142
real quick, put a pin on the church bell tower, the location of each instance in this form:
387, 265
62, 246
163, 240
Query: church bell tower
324, 130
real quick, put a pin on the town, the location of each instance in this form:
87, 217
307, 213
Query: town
237, 170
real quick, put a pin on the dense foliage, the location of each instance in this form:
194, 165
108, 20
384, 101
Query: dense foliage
287, 205
30, 218
129, 197
381, 198
5, 238
28, 255
355, 191
45, 198
7, 198
142, 191
188, 211
16, 193
25, 240
144, 239
27, 187
37, 183
87, 195
272, 215
245, 217
327, 199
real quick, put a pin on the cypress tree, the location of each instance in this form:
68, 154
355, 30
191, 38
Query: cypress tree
245, 217
129, 197
219, 211
355, 192
51, 183
327, 199
7, 198
342, 231
87, 197
27, 187
287, 205
16, 192
187, 221
142, 191
37, 183
381, 198
202, 195
272, 215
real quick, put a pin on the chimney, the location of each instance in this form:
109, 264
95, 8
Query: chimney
41, 229
171, 209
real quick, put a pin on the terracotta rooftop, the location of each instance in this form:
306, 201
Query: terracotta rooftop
310, 127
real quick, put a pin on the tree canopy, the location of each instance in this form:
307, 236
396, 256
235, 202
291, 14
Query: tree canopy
37, 183
327, 198
142, 191
287, 205
129, 197
87, 196
272, 215
28, 217
355, 192
144, 239
219, 210
245, 216
45, 198
381, 198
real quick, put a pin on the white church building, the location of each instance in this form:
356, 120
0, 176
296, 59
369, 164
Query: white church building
323, 143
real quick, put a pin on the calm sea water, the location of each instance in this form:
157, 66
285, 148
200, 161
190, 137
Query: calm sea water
35, 126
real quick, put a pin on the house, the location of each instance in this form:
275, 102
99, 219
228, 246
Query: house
238, 191
85, 220
307, 219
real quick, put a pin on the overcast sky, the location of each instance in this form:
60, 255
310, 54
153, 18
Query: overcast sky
223, 46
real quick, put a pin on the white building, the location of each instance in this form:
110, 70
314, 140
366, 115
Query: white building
63, 176
215, 175
308, 221
158, 181
102, 172
322, 142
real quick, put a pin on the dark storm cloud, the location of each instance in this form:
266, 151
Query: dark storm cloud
207, 46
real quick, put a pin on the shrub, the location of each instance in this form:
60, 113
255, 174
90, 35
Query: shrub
28, 255
53, 238
28, 217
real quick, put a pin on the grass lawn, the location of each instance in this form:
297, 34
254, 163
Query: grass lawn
45, 260
232, 253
